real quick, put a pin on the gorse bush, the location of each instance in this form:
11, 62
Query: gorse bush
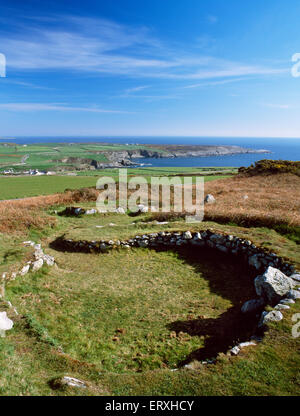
269, 167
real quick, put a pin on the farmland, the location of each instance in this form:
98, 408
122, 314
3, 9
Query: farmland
49, 156
28, 186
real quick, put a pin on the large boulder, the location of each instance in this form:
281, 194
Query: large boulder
273, 285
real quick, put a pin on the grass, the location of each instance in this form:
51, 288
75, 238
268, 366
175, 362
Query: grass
127, 312
29, 186
273, 200
125, 319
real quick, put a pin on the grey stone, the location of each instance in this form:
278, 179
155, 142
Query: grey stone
294, 294
13, 276
69, 382
199, 243
295, 277
286, 301
252, 305
235, 350
49, 260
222, 248
273, 316
5, 324
25, 270
143, 209
209, 199
29, 243
38, 254
187, 235
280, 307
120, 210
143, 243
217, 238
210, 244
91, 211
247, 344
254, 262
273, 285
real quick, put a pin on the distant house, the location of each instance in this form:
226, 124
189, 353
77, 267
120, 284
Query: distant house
8, 172
36, 172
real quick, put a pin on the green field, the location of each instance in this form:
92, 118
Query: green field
27, 186
48, 156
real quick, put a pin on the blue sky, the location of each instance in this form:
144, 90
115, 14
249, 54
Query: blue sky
141, 67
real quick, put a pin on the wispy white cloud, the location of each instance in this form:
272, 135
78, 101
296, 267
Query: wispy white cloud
133, 90
54, 107
213, 83
279, 106
156, 97
134, 93
99, 46
26, 84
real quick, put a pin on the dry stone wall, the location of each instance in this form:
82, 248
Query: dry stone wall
275, 285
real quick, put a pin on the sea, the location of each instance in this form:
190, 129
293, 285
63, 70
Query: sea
280, 148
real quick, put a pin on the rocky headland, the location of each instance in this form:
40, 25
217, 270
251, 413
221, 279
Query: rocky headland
123, 158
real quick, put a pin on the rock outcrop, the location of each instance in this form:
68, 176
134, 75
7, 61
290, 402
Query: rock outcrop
273, 285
